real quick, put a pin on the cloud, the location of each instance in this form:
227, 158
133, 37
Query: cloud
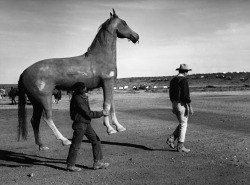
222, 50
207, 34
234, 30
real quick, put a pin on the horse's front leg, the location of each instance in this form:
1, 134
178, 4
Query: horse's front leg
108, 98
115, 122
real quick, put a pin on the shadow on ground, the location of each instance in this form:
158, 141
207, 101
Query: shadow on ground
14, 160
142, 147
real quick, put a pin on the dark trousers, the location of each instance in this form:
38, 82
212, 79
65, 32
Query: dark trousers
81, 129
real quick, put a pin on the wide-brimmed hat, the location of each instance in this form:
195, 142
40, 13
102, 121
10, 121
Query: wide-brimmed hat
183, 67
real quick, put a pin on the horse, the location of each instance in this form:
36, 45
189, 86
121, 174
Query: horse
57, 95
96, 68
13, 93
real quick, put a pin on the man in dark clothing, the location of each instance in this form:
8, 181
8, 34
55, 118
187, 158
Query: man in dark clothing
181, 103
81, 115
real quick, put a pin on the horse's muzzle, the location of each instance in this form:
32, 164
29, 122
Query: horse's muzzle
134, 38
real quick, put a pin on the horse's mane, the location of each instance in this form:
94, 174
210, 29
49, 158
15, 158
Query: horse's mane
98, 37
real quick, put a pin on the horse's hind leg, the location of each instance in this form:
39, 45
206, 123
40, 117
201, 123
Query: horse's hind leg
47, 103
115, 122
35, 121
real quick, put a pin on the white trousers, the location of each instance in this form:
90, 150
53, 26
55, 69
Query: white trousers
181, 111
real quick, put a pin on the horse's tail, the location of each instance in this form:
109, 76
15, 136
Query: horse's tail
22, 114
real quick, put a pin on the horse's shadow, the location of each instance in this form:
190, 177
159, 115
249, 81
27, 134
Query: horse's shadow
142, 147
15, 159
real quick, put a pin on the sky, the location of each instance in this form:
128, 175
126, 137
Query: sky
209, 35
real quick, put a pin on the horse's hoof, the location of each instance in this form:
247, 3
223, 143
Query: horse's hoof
120, 129
112, 131
66, 142
43, 148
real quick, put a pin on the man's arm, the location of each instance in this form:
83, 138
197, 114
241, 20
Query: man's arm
185, 91
186, 96
85, 110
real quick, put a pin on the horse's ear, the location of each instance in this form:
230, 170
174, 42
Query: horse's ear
111, 15
114, 14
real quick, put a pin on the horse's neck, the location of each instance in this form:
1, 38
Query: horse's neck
104, 45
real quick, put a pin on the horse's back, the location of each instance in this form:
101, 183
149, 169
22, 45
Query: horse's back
62, 72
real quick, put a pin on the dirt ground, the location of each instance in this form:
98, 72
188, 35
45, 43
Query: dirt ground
218, 136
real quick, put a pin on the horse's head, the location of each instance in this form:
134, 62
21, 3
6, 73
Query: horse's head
122, 30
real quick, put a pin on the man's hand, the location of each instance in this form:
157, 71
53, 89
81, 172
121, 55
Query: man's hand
191, 111
105, 113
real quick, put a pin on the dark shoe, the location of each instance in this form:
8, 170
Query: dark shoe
170, 142
181, 148
73, 169
100, 165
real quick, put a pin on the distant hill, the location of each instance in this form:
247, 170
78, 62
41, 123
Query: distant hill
218, 79
210, 80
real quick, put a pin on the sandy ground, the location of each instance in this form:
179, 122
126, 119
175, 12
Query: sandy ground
218, 136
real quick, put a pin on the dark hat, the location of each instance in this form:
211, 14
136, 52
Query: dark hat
183, 67
78, 86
